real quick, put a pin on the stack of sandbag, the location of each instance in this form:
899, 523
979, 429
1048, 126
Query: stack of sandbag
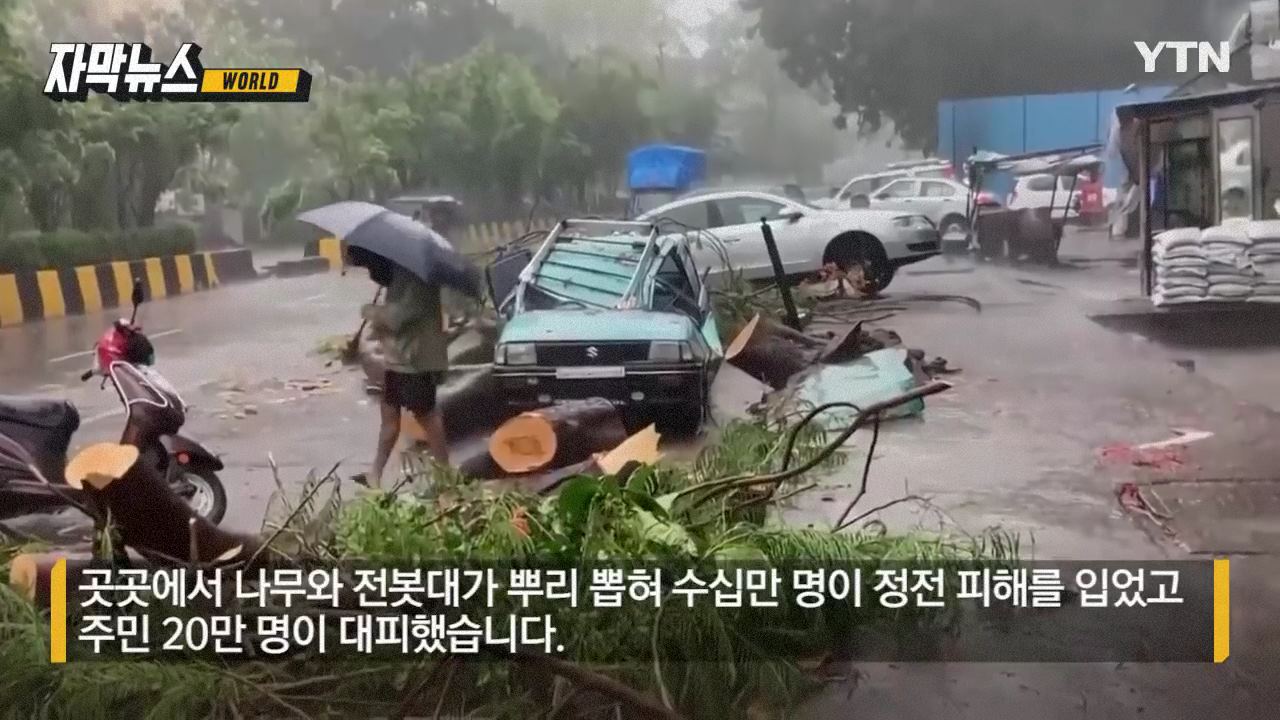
1226, 247
1181, 267
1264, 253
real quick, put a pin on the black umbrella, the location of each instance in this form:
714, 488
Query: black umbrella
375, 236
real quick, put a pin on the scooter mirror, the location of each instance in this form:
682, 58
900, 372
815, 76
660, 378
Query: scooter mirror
137, 292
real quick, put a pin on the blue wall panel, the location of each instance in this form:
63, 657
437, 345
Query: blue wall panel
946, 128
1030, 123
1058, 121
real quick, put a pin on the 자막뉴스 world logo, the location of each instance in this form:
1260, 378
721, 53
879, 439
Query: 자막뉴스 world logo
126, 72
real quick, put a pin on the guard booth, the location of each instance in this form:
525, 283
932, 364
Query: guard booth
1033, 232
1203, 159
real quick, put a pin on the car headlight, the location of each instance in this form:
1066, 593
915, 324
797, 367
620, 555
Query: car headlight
669, 351
516, 354
918, 222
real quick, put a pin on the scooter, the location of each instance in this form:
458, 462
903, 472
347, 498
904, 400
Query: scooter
35, 434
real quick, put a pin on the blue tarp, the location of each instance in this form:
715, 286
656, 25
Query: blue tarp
665, 167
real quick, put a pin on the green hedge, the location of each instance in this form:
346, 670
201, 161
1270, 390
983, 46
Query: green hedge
69, 248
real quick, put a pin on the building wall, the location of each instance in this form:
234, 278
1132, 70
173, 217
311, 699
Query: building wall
1031, 123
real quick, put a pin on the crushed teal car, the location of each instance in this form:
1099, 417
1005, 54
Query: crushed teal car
607, 309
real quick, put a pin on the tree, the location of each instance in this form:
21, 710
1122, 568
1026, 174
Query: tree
897, 59
639, 30
74, 155
777, 127
601, 119
355, 162
38, 148
385, 37
682, 113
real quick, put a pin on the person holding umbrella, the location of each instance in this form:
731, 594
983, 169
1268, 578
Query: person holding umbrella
413, 263
410, 326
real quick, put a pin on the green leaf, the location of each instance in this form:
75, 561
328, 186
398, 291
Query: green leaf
660, 532
739, 553
647, 503
576, 497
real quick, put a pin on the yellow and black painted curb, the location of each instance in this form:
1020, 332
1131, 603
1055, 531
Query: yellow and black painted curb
478, 237
31, 295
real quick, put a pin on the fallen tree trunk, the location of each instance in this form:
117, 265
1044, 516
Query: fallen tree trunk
471, 401
764, 352
151, 517
844, 347
557, 436
474, 345
30, 573
639, 449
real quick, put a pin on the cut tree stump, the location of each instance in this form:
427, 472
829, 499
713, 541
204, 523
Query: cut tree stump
557, 436
763, 351
29, 573
638, 450
151, 517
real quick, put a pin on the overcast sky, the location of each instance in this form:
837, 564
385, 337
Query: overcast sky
695, 12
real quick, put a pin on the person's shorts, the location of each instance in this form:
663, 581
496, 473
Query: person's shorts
415, 392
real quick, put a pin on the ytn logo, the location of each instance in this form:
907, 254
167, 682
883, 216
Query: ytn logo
1219, 57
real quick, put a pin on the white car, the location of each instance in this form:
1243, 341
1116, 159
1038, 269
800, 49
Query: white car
857, 191
808, 238
1036, 191
944, 202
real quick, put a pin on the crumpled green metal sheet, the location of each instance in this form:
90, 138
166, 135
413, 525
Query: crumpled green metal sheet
876, 376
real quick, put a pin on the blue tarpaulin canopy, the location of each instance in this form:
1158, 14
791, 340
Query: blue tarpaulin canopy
665, 167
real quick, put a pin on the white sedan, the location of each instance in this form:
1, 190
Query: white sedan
728, 225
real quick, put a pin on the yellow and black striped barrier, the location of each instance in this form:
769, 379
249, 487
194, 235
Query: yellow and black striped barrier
475, 238
31, 295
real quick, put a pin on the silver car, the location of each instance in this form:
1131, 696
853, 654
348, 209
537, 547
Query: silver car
727, 227
858, 191
944, 202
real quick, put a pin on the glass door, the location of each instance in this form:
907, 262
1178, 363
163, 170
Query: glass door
1236, 163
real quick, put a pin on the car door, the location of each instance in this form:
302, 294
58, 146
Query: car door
939, 199
858, 194
692, 218
897, 195
710, 334
744, 239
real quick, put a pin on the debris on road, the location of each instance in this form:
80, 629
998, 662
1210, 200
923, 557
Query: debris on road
775, 354
1182, 436
877, 376
309, 385
1160, 458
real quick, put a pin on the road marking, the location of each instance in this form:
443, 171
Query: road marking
83, 353
306, 300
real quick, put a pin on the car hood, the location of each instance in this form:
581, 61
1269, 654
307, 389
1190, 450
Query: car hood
596, 326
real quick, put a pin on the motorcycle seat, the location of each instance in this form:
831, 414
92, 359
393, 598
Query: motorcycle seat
35, 412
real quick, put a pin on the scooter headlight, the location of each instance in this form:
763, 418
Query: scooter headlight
517, 354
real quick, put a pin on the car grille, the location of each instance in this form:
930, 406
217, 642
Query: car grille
570, 354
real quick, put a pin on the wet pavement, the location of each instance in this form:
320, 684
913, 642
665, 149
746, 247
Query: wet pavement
1015, 444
